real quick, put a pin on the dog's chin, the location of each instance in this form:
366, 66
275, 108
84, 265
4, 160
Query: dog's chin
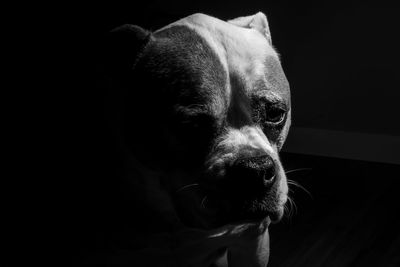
257, 215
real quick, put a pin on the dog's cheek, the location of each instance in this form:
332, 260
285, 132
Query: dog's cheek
283, 188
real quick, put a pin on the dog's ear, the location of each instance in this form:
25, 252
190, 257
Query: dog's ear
258, 22
124, 45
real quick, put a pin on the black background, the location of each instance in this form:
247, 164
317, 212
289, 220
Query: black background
340, 57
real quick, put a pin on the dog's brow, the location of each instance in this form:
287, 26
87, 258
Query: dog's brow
261, 91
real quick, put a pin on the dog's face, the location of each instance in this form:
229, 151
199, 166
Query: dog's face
209, 108
213, 109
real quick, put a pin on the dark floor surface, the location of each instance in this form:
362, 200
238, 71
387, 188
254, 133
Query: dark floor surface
350, 218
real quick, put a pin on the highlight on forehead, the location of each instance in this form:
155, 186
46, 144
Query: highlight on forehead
270, 81
276, 80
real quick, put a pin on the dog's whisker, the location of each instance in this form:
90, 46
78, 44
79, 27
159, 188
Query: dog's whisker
203, 201
294, 206
298, 170
288, 208
296, 184
291, 207
186, 187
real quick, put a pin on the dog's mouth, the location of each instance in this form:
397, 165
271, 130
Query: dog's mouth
234, 208
252, 201
201, 207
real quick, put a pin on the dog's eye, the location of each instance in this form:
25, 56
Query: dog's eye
268, 111
274, 114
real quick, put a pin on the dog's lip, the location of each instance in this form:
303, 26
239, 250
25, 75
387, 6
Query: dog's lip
212, 209
238, 228
263, 223
231, 217
276, 216
215, 212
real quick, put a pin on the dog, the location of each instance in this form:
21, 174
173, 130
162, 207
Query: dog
205, 109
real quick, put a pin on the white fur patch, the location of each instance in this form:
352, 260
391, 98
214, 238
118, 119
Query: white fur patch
242, 51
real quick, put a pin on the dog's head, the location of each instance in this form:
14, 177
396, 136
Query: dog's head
207, 106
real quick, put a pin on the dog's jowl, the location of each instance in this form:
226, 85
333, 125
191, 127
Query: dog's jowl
206, 109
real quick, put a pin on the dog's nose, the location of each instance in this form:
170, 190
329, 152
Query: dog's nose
261, 168
248, 177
